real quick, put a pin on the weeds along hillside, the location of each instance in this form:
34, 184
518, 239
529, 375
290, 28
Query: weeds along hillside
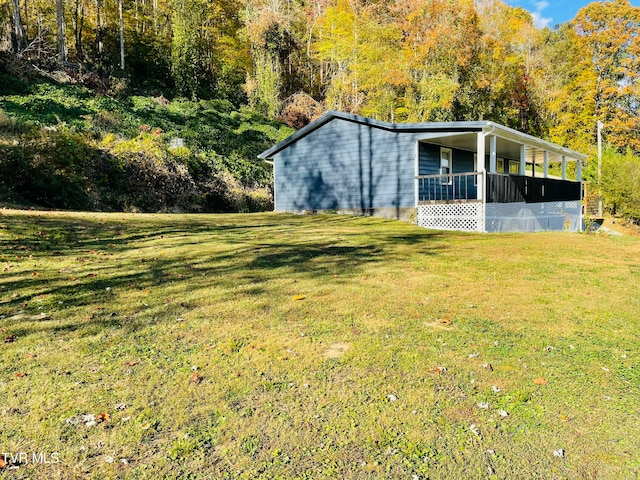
63, 146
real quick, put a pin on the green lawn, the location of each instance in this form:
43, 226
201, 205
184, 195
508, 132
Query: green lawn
275, 346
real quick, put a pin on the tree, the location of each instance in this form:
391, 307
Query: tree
609, 37
62, 29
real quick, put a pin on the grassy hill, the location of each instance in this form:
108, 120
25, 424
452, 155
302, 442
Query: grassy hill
276, 346
64, 146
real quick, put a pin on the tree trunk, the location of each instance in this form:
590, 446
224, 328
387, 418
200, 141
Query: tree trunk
62, 46
18, 32
99, 41
121, 35
78, 19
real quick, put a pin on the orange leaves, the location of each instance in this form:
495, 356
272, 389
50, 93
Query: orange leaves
131, 363
196, 378
21, 374
437, 370
103, 417
540, 381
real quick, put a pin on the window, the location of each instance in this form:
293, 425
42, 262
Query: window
475, 169
500, 166
446, 165
514, 167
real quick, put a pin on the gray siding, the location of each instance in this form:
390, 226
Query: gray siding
346, 165
462, 161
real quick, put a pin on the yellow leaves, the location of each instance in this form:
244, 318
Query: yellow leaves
297, 298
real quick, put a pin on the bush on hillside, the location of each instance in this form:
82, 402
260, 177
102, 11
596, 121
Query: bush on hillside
621, 183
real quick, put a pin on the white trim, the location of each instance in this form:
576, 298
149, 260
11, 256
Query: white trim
416, 186
493, 152
275, 209
449, 161
475, 169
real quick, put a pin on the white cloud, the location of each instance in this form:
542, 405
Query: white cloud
538, 20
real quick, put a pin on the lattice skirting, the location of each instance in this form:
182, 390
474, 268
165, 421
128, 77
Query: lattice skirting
533, 217
452, 216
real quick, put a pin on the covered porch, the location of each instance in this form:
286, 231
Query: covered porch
511, 190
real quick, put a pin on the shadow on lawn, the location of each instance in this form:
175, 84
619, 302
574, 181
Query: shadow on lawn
239, 253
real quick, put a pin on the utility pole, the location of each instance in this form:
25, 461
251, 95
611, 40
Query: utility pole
600, 126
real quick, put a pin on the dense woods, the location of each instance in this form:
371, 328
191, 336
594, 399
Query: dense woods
395, 60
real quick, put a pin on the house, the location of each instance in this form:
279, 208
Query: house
429, 172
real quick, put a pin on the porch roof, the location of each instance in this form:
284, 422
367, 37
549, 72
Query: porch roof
450, 134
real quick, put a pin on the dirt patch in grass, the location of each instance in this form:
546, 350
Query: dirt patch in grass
336, 350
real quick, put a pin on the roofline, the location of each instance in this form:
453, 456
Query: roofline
468, 126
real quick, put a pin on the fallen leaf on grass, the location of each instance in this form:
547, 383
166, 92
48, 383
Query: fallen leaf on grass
298, 298
131, 363
92, 275
10, 339
35, 274
21, 374
564, 418
196, 378
103, 417
488, 366
437, 370
445, 321
540, 381
2, 463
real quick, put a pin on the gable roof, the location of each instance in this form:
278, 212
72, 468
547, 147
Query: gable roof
426, 127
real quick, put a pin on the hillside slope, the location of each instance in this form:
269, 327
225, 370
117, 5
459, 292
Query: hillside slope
64, 146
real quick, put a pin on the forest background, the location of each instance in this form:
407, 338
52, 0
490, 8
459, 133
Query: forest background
163, 105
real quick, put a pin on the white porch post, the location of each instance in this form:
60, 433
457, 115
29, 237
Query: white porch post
578, 171
481, 169
416, 187
482, 177
523, 160
546, 164
564, 167
493, 154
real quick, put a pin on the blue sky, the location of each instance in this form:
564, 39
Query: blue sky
547, 13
